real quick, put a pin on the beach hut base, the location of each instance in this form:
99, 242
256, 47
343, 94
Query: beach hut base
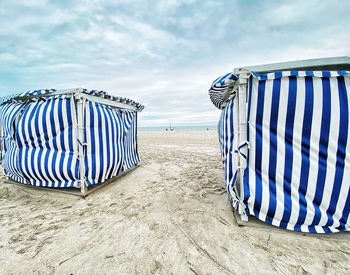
260, 225
252, 222
70, 190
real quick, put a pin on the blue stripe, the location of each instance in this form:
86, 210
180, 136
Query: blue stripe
305, 150
120, 145
113, 157
273, 148
93, 142
258, 151
341, 150
230, 151
288, 139
323, 147
344, 99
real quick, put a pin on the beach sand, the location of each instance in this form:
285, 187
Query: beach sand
170, 215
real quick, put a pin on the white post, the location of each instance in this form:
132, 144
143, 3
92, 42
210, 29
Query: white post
236, 143
81, 140
242, 136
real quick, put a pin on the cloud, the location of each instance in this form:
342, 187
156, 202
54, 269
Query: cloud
165, 53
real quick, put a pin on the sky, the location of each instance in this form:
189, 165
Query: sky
163, 54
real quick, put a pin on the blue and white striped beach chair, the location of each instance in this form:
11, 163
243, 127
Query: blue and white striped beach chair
68, 138
285, 143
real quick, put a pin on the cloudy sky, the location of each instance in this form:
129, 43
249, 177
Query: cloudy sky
163, 54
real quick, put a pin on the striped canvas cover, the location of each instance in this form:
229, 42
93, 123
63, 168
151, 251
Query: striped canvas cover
228, 148
298, 172
218, 91
42, 150
111, 142
8, 114
131, 156
41, 146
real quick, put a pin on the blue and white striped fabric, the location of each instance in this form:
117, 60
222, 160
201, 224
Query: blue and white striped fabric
10, 155
27, 93
131, 157
46, 148
105, 151
218, 91
41, 145
298, 173
111, 144
226, 139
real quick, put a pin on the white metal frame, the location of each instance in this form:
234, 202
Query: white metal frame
318, 64
242, 138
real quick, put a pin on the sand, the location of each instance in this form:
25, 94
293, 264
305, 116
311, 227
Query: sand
171, 215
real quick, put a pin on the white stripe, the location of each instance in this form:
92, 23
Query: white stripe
36, 115
297, 137
58, 143
280, 158
265, 152
97, 152
252, 136
88, 169
42, 141
74, 139
106, 112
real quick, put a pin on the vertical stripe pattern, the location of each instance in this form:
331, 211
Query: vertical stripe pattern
131, 157
298, 163
111, 142
298, 169
47, 152
228, 147
8, 115
40, 145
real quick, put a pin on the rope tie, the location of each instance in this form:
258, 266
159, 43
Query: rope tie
244, 144
231, 188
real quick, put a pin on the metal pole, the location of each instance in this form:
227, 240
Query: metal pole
81, 141
242, 108
236, 143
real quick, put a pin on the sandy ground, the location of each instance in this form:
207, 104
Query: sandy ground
171, 215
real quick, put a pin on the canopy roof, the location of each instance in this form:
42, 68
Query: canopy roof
223, 88
93, 95
319, 64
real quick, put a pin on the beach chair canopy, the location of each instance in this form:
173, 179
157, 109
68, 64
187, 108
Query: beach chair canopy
67, 138
222, 90
292, 169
